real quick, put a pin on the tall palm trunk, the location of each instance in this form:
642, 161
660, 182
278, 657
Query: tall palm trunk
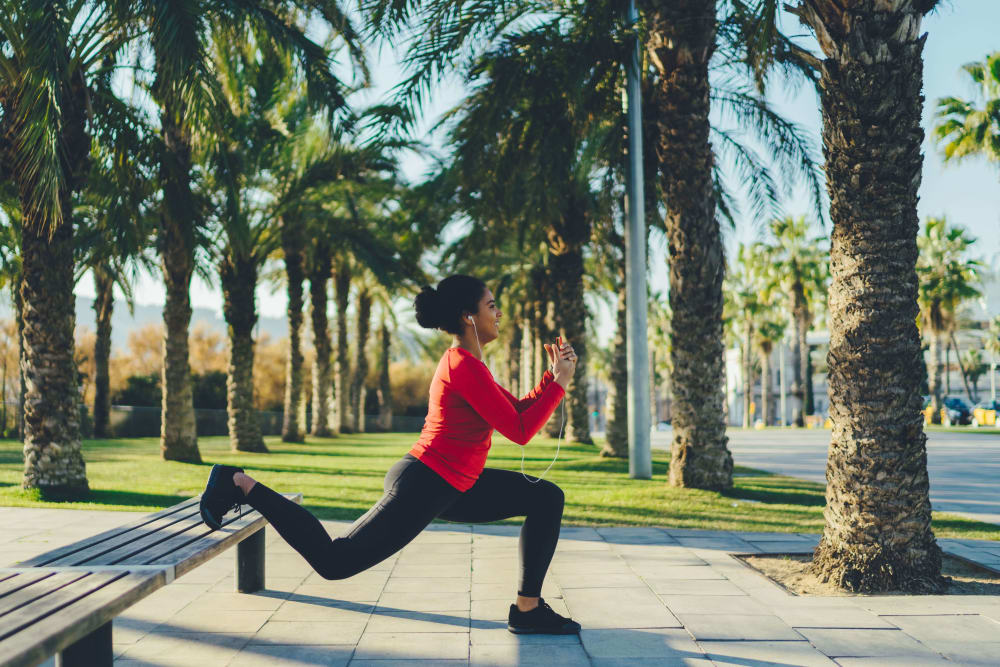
103, 308
616, 444
765, 382
293, 242
22, 385
384, 385
747, 358
878, 515
342, 366
681, 41
322, 401
358, 390
513, 379
178, 435
527, 352
53, 461
800, 351
238, 276
934, 376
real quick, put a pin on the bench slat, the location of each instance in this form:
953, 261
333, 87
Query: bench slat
114, 550
19, 580
29, 594
179, 547
81, 617
50, 556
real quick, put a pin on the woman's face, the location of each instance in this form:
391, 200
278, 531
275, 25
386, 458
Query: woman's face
487, 319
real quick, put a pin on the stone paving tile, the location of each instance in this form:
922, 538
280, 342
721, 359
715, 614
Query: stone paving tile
784, 547
618, 608
985, 653
630, 535
713, 604
697, 587
292, 655
413, 646
232, 621
894, 662
689, 572
411, 622
427, 601
495, 632
295, 610
598, 580
763, 653
947, 628
406, 663
264, 600
507, 590
185, 649
527, 654
422, 585
744, 627
345, 592
310, 632
812, 616
866, 643
662, 643
651, 662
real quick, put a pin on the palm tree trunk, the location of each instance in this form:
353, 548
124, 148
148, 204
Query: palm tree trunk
747, 376
682, 40
292, 237
513, 379
384, 385
322, 401
22, 386
961, 367
358, 390
616, 444
103, 308
53, 461
239, 280
527, 352
878, 515
800, 352
765, 384
342, 367
934, 377
178, 435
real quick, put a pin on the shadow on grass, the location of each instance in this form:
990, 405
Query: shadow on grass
786, 494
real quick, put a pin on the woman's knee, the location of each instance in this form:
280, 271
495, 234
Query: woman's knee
552, 495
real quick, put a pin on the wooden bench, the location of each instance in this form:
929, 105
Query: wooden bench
63, 601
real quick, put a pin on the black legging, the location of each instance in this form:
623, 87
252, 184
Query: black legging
414, 496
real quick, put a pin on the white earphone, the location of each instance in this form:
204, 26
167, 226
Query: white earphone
562, 419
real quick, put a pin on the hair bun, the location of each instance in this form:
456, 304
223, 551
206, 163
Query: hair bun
428, 307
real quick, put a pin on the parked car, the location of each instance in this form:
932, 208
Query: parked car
956, 411
985, 413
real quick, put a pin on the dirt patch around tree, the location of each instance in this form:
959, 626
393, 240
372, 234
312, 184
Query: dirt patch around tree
792, 572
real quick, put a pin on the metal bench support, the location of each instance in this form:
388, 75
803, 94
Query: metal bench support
250, 563
94, 650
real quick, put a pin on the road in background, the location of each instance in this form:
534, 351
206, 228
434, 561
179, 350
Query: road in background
964, 467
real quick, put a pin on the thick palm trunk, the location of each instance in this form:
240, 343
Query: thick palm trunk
342, 366
239, 280
616, 444
681, 41
178, 435
53, 461
384, 385
293, 240
358, 390
878, 516
103, 308
322, 401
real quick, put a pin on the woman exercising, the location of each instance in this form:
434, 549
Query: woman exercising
443, 475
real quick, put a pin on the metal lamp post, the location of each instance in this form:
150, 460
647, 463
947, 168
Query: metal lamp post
640, 463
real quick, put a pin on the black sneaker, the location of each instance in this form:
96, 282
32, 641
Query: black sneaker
220, 495
540, 621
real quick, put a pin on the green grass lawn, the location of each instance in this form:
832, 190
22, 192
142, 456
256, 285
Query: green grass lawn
342, 477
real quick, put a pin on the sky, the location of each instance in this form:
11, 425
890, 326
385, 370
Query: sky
968, 194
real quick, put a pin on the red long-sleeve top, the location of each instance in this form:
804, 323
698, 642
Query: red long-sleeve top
465, 405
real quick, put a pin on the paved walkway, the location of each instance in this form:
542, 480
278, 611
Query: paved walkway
645, 596
963, 466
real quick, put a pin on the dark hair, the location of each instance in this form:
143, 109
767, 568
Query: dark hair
443, 308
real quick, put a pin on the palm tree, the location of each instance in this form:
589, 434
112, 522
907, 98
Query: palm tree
322, 398
186, 92
964, 127
878, 515
746, 291
800, 262
946, 280
53, 52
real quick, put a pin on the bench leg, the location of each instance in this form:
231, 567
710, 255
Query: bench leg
250, 563
94, 650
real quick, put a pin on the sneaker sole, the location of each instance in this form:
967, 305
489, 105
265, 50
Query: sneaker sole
539, 631
209, 520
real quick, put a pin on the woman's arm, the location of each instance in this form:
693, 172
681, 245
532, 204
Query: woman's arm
473, 382
522, 404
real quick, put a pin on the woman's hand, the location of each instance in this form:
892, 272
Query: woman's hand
563, 361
